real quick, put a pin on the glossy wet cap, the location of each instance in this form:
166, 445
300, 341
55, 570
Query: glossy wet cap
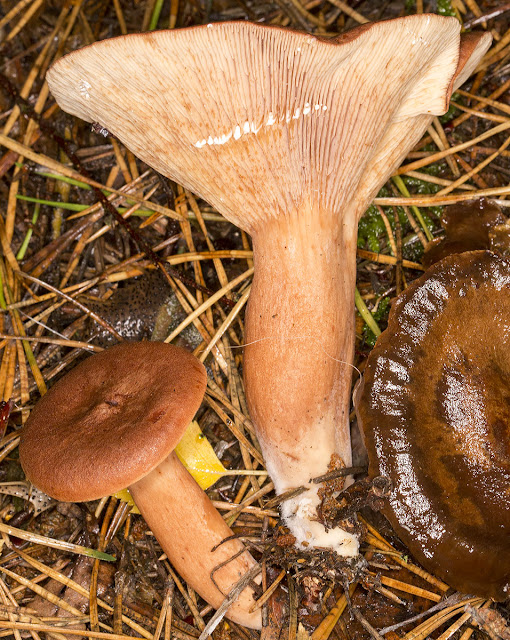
499, 237
468, 226
434, 408
111, 420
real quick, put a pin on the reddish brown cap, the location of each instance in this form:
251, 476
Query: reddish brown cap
435, 412
111, 420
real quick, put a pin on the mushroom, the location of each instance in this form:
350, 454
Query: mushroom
468, 226
289, 136
434, 407
112, 422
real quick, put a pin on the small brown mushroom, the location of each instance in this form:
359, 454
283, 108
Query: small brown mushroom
434, 407
112, 422
468, 227
289, 136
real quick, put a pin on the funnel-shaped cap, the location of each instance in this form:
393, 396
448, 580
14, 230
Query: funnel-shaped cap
290, 119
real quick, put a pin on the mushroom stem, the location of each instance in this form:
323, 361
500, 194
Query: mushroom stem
299, 337
188, 527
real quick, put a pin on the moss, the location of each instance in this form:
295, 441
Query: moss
371, 229
435, 169
452, 112
420, 187
444, 8
379, 315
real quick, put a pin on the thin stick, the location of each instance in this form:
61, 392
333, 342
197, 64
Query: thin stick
268, 592
64, 343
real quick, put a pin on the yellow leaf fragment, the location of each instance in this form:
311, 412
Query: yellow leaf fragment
197, 455
125, 496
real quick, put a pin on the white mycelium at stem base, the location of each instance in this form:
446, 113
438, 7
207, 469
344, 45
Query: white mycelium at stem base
289, 137
297, 387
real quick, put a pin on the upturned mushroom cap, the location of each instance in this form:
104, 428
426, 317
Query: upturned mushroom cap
434, 407
111, 420
279, 114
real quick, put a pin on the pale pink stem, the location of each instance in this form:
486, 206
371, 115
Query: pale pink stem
300, 340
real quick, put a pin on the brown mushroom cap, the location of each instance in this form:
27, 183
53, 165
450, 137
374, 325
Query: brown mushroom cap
467, 226
434, 407
111, 420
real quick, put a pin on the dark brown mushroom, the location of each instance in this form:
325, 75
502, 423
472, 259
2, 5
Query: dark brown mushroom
468, 226
434, 406
113, 422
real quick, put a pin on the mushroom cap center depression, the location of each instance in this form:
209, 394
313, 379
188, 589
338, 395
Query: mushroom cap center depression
435, 412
